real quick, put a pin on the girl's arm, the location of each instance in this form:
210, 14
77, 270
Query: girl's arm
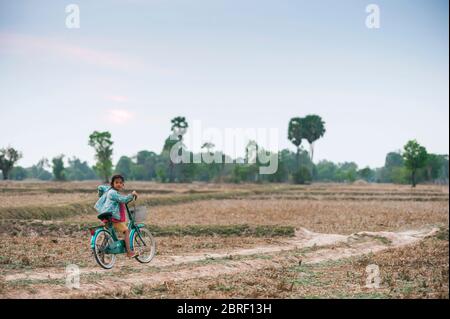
115, 196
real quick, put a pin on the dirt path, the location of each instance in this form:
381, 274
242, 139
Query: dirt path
222, 263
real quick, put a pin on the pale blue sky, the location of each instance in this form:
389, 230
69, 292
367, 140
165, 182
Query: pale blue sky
133, 65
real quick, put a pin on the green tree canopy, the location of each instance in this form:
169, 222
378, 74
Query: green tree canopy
124, 167
39, 170
296, 134
79, 170
367, 174
313, 129
394, 159
8, 158
179, 126
58, 168
102, 143
415, 156
18, 173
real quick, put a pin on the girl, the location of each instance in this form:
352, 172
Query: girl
112, 202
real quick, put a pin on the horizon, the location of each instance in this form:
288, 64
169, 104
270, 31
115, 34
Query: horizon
234, 159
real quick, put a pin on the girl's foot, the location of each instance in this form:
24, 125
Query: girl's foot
132, 254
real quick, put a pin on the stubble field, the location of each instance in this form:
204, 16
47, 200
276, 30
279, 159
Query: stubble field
218, 240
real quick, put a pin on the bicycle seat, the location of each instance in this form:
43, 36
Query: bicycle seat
105, 216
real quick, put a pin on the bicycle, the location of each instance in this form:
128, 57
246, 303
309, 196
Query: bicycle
106, 245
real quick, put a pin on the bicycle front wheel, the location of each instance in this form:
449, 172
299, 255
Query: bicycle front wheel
145, 245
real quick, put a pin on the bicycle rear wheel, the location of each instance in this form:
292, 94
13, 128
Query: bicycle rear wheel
102, 240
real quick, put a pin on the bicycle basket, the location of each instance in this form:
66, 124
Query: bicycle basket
140, 214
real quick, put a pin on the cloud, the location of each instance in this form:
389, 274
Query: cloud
38, 45
119, 116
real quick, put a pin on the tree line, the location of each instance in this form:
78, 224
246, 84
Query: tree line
411, 165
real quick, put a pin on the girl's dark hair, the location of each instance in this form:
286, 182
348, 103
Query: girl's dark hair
116, 177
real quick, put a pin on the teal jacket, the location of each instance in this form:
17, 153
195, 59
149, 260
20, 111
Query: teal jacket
109, 200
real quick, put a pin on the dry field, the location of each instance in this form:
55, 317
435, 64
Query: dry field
223, 241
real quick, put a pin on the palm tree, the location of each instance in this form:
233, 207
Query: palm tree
296, 134
313, 129
179, 126
208, 146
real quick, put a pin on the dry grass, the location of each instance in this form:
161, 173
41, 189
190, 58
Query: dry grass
322, 216
46, 199
91, 186
42, 186
10, 200
20, 253
420, 271
41, 252
47, 203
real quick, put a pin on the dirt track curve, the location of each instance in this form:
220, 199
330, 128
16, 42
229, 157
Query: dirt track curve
314, 247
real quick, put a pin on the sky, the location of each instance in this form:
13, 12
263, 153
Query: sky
133, 65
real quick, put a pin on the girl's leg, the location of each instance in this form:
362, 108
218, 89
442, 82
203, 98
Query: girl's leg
130, 253
122, 229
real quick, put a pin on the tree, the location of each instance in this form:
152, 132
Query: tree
394, 159
161, 174
366, 174
8, 158
141, 167
435, 166
179, 126
147, 160
252, 161
58, 168
39, 170
18, 173
399, 175
296, 134
313, 129
208, 146
102, 143
392, 169
224, 166
138, 172
210, 168
443, 171
125, 167
415, 157
326, 171
282, 173
302, 176
169, 143
187, 171
79, 171
245, 172
347, 172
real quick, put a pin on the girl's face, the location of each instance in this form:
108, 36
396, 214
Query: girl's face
118, 184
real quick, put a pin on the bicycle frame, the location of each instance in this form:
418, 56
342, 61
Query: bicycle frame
118, 246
